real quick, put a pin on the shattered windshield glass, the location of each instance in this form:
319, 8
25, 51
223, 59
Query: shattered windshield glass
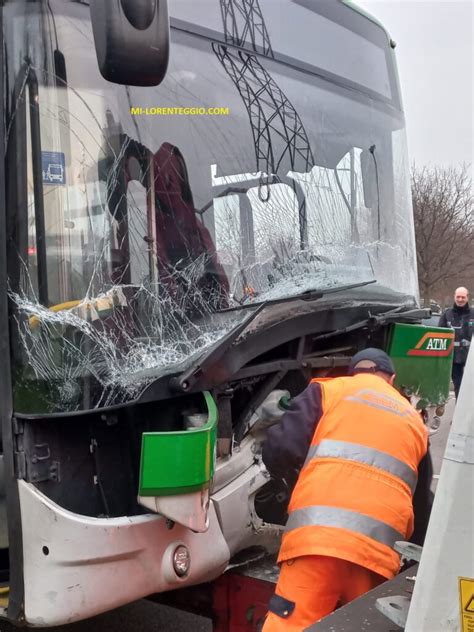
134, 226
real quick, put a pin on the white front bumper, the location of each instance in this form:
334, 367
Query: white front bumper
76, 566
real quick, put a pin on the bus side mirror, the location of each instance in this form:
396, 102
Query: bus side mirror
369, 178
131, 40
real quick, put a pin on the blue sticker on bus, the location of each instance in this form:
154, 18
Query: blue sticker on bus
53, 166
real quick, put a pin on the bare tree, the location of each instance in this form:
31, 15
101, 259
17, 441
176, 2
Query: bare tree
443, 206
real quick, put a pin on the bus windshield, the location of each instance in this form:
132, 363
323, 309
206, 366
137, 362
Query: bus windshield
143, 221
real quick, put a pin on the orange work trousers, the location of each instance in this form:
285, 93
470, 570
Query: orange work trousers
316, 585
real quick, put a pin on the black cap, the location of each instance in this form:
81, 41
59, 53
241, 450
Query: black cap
381, 360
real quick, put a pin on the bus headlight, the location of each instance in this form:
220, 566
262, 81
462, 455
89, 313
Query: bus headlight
181, 560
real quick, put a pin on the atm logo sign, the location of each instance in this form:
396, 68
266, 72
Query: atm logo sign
434, 344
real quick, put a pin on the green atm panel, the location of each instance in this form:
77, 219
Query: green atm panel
422, 357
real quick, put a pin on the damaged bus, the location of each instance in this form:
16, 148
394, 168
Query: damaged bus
203, 205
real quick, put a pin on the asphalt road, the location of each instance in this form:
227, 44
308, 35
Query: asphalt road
146, 616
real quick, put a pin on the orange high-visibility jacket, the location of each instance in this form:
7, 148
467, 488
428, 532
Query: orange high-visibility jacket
353, 497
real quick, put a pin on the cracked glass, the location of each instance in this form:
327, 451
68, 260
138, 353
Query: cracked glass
136, 242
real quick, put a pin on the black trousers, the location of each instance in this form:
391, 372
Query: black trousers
456, 375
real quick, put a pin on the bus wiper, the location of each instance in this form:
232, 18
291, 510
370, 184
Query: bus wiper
349, 286
313, 294
190, 376
307, 295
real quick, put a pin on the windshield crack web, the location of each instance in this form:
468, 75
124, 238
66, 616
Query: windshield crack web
68, 348
139, 268
133, 288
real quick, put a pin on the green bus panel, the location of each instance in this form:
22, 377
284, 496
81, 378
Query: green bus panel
179, 462
422, 357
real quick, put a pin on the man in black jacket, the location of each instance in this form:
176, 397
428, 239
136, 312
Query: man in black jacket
459, 317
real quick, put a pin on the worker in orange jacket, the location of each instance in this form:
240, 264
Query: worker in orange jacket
359, 447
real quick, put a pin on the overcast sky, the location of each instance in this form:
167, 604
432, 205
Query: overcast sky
435, 63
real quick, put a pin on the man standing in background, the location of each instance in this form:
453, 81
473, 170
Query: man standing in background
459, 317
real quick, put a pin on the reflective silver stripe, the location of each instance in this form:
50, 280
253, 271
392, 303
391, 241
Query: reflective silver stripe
463, 343
324, 516
359, 400
363, 454
379, 401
